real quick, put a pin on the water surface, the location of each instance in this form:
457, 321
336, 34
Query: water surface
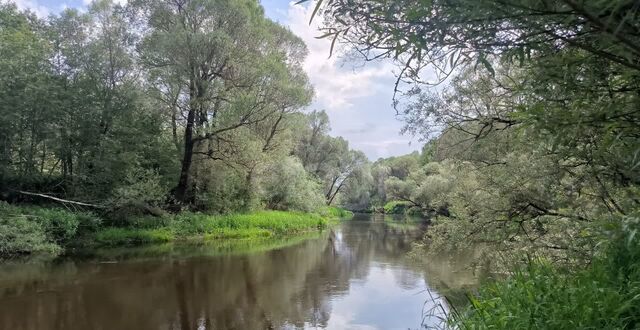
354, 276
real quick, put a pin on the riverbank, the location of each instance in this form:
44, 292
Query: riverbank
198, 226
603, 295
27, 230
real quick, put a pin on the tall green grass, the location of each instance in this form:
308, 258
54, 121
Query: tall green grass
277, 222
32, 229
132, 236
605, 295
199, 226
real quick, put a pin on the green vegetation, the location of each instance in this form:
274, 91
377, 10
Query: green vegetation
401, 207
145, 115
532, 145
34, 230
129, 236
605, 295
336, 212
198, 226
141, 124
27, 230
277, 222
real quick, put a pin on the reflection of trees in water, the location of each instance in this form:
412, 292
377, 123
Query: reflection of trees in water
288, 287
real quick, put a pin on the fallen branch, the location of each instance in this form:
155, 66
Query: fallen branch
60, 200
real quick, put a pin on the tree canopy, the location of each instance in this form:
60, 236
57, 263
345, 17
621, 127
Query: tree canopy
194, 104
534, 128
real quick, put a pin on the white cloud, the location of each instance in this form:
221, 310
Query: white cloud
32, 5
120, 2
335, 86
358, 100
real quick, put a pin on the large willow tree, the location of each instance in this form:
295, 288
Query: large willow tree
219, 66
125, 106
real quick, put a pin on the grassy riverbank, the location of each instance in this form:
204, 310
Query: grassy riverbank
197, 226
604, 295
28, 230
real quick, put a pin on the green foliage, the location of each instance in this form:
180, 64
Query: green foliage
534, 139
542, 296
140, 186
287, 186
130, 236
247, 233
60, 225
203, 117
342, 171
396, 207
19, 235
31, 229
278, 222
336, 212
200, 226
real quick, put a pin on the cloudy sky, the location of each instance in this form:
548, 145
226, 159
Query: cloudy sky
356, 97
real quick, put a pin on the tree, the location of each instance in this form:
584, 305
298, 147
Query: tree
23, 90
329, 158
288, 186
220, 66
348, 169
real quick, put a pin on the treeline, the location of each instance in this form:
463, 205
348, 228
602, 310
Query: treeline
163, 105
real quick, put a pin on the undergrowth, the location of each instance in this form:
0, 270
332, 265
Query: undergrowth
604, 295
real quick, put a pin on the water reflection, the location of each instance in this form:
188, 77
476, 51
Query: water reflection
353, 277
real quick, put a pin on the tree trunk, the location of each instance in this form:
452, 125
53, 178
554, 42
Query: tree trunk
181, 192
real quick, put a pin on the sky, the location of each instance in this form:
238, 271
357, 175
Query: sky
356, 97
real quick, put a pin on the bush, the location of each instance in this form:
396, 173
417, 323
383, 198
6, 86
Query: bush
141, 186
29, 229
396, 207
20, 235
128, 236
604, 296
150, 222
336, 212
289, 187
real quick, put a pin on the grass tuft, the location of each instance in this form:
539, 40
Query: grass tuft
128, 236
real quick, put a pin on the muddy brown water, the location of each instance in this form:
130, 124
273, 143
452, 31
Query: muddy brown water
354, 276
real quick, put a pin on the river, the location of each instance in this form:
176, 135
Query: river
353, 276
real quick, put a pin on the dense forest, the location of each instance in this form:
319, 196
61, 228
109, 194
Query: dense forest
155, 107
194, 105
167, 114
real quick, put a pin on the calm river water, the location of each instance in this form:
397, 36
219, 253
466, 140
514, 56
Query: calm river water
354, 276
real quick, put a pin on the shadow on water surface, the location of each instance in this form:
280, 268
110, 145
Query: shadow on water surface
355, 276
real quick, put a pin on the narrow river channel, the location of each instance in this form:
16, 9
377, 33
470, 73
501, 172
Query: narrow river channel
354, 276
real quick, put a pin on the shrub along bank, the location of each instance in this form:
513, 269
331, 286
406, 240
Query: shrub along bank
31, 229
605, 295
